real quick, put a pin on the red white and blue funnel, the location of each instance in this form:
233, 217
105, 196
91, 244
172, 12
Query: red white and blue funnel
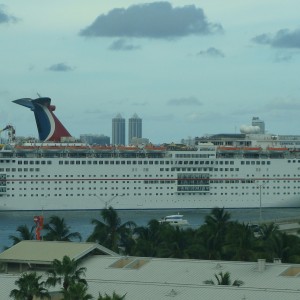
49, 127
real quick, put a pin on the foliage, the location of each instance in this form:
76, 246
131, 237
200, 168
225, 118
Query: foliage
29, 286
212, 234
65, 272
224, 279
110, 232
24, 234
58, 230
76, 291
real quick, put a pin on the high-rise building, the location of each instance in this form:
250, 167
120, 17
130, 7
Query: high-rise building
118, 130
259, 123
134, 128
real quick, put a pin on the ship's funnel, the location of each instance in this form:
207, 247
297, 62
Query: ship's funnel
49, 127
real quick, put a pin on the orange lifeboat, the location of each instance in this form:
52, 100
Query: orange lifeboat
279, 149
229, 148
154, 148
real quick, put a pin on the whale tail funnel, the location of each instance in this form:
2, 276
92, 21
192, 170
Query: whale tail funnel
49, 127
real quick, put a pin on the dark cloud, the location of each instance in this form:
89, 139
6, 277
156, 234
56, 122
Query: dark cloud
284, 38
123, 45
152, 20
191, 101
60, 67
4, 17
213, 52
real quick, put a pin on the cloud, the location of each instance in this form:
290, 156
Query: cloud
283, 104
284, 38
283, 57
212, 52
60, 67
153, 20
122, 45
190, 101
4, 17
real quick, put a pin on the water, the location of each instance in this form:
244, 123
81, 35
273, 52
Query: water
81, 220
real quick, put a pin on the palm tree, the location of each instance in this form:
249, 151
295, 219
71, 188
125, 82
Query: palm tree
76, 291
175, 244
24, 234
29, 286
113, 297
224, 279
148, 239
58, 230
65, 272
111, 231
240, 243
212, 233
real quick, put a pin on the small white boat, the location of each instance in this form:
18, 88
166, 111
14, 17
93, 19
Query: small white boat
174, 220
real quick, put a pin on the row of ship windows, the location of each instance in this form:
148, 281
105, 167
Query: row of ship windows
257, 162
181, 182
87, 176
150, 162
256, 187
84, 195
134, 169
94, 188
149, 194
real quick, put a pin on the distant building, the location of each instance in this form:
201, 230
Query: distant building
259, 123
139, 141
118, 130
134, 128
97, 139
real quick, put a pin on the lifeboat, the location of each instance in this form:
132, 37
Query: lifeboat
277, 149
102, 148
151, 148
26, 148
229, 148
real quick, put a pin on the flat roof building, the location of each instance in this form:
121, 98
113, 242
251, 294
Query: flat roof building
156, 278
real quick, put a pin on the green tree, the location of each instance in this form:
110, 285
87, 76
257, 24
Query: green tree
110, 232
175, 243
113, 297
76, 291
24, 234
29, 286
148, 239
58, 230
212, 233
224, 279
240, 243
65, 272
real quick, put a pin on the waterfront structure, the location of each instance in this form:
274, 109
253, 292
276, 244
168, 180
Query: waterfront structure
134, 128
118, 130
222, 170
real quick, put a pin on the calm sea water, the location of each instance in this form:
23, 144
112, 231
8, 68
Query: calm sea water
81, 220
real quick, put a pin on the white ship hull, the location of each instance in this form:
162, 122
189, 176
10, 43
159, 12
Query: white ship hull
174, 180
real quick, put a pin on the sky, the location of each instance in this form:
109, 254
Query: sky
187, 68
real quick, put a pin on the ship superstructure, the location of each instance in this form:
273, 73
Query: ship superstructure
247, 170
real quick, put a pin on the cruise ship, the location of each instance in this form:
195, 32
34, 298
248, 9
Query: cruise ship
252, 169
